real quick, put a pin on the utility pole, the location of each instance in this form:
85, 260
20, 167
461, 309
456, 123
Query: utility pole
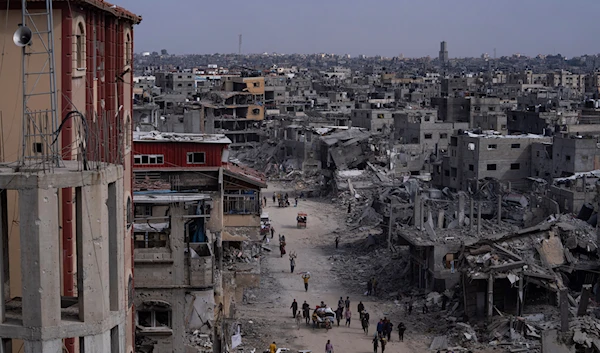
390, 225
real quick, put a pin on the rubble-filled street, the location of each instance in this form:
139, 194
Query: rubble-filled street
267, 317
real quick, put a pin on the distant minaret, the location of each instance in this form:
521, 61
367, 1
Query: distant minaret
240, 44
443, 53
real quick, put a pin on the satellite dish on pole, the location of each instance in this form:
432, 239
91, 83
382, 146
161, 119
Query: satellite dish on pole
22, 36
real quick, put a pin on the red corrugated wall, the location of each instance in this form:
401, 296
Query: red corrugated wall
175, 153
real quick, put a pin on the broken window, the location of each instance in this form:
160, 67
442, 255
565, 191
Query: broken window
446, 172
515, 145
428, 136
155, 317
256, 84
143, 210
144, 240
491, 167
449, 260
471, 167
492, 147
80, 47
568, 158
148, 159
453, 172
380, 116
255, 111
515, 166
196, 158
491, 109
443, 136
537, 153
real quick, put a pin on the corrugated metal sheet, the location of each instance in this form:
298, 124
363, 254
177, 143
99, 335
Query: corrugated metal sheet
175, 154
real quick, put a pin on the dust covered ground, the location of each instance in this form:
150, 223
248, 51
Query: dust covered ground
266, 316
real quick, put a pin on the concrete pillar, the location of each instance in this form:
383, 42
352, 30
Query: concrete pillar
499, 209
479, 218
564, 310
584, 299
40, 260
99, 343
461, 209
177, 244
92, 255
441, 219
472, 219
490, 292
521, 299
417, 210
53, 346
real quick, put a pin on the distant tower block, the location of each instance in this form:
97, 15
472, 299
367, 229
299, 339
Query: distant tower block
240, 44
443, 52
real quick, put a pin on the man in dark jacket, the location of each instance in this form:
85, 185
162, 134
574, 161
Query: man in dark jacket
361, 307
294, 307
306, 311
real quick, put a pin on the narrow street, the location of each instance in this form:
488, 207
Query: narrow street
270, 309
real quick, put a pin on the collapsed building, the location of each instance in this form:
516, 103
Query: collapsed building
192, 207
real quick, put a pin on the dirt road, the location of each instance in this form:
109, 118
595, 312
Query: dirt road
269, 308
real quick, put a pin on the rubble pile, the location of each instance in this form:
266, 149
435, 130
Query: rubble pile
248, 253
584, 333
201, 343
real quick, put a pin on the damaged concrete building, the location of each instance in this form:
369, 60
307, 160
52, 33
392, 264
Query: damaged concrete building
472, 157
192, 206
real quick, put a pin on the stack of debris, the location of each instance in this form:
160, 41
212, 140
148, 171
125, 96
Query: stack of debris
198, 342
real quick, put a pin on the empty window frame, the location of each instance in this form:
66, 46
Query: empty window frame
154, 318
491, 167
515, 145
492, 147
196, 158
515, 166
428, 136
142, 159
145, 240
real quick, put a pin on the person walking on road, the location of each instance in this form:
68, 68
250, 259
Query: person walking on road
347, 303
274, 198
272, 348
341, 303
375, 344
375, 287
294, 308
338, 314
390, 328
361, 307
292, 263
348, 316
306, 277
272, 232
265, 200
329, 347
296, 201
383, 342
380, 328
401, 329
337, 241
364, 321
306, 312
369, 287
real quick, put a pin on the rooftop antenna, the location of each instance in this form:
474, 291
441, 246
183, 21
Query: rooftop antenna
40, 119
494, 53
240, 44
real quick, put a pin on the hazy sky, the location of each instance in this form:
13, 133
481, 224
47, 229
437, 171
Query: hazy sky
372, 27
